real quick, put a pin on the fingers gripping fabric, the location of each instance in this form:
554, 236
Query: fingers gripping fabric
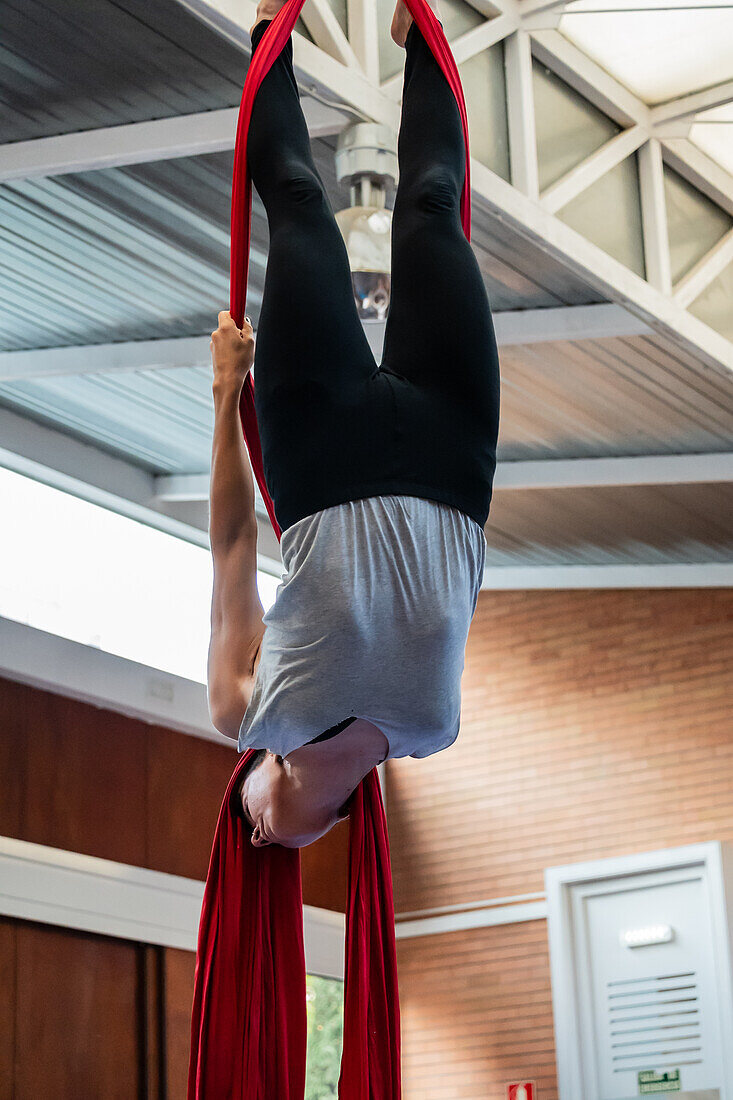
248, 1024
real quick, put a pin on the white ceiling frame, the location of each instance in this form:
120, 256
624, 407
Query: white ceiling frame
534, 7
580, 178
616, 472
589, 79
521, 115
550, 577
529, 326
700, 170
317, 71
543, 474
609, 277
483, 37
363, 27
603, 91
135, 355
705, 271
540, 326
142, 142
466, 46
322, 24
655, 231
695, 103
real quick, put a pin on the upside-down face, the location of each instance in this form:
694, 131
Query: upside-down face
281, 809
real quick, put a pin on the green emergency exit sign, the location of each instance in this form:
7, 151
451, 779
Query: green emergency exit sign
650, 1082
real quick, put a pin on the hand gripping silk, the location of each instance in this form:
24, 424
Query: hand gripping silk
248, 1025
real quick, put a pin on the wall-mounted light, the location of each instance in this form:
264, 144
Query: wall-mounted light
645, 937
366, 159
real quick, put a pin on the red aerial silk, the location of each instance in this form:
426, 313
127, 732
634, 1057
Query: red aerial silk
248, 1025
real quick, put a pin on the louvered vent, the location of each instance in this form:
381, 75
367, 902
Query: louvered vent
654, 1023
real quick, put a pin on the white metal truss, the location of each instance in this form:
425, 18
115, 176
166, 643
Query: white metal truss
586, 173
520, 113
666, 575
566, 473
344, 74
530, 326
657, 257
141, 142
687, 106
525, 26
705, 271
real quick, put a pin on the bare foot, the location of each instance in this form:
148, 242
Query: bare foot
402, 20
266, 9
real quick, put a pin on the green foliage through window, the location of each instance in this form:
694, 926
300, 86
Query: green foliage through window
325, 1005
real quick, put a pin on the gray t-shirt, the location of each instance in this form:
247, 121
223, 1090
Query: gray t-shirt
370, 619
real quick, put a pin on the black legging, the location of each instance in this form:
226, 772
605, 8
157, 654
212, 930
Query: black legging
335, 426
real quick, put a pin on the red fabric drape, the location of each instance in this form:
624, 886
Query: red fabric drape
248, 1025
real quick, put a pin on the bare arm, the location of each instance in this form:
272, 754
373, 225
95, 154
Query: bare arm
236, 610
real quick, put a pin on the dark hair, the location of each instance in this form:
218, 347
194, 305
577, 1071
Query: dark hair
344, 809
254, 762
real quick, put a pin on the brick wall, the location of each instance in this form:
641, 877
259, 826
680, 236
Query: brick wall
477, 1013
595, 723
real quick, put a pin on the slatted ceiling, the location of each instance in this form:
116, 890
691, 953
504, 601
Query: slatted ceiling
103, 264
530, 278
161, 420
674, 523
133, 253
82, 66
659, 367
631, 395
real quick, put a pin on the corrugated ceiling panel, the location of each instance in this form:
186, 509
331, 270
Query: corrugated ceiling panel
106, 256
161, 420
653, 525
79, 66
636, 395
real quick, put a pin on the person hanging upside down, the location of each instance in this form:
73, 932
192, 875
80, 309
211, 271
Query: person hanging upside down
381, 476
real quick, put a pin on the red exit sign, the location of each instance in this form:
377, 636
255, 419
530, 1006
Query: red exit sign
523, 1090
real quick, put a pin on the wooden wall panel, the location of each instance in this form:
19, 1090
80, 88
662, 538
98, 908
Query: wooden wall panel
88, 780
88, 1016
187, 778
594, 724
7, 1009
324, 869
178, 970
13, 757
85, 784
477, 1013
78, 1018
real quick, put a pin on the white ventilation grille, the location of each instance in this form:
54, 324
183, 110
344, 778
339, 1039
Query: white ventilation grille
654, 1023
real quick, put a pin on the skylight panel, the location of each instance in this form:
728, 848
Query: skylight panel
659, 49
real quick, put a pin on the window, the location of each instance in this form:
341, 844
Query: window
77, 570
325, 1005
